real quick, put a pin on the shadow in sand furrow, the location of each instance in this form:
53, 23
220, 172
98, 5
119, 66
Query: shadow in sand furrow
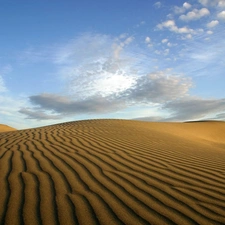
6, 169
84, 211
49, 164
215, 209
208, 216
31, 209
170, 196
173, 215
96, 186
198, 174
16, 186
61, 184
199, 195
102, 184
47, 191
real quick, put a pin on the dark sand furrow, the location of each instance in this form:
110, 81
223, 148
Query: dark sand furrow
153, 173
210, 178
152, 201
219, 218
61, 184
172, 176
5, 168
201, 196
84, 211
160, 149
105, 183
171, 197
99, 188
50, 166
128, 146
98, 209
92, 149
16, 187
47, 191
215, 209
31, 209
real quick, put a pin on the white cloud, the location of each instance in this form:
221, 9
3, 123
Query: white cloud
171, 25
195, 14
221, 15
187, 5
209, 32
180, 10
165, 41
147, 40
219, 3
212, 24
158, 5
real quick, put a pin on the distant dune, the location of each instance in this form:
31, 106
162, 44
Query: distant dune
5, 128
113, 172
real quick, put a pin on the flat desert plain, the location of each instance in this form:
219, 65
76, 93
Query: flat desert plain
113, 172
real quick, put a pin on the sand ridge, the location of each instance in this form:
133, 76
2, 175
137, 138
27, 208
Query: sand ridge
5, 128
113, 172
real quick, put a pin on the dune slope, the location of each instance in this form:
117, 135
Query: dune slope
5, 128
113, 172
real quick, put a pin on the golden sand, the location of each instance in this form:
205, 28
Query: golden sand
113, 172
5, 128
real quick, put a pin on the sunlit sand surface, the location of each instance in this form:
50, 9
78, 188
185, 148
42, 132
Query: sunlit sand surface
113, 172
4, 128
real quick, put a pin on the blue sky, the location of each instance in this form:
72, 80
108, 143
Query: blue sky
73, 60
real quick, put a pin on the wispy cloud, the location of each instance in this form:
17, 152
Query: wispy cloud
191, 108
158, 5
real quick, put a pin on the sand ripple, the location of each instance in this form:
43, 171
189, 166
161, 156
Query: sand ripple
113, 172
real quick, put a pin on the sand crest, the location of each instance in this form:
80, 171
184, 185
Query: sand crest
113, 172
5, 128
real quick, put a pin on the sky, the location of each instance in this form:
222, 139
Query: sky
67, 60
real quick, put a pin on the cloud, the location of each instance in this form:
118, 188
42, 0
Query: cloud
221, 15
180, 10
195, 14
147, 40
158, 87
2, 85
118, 47
191, 108
218, 3
64, 105
165, 41
158, 5
171, 25
155, 87
150, 118
38, 114
212, 24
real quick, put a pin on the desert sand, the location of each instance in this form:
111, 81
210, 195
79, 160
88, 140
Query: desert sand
113, 172
4, 128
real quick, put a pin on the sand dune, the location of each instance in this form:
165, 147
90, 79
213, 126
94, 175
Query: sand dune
5, 128
113, 172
